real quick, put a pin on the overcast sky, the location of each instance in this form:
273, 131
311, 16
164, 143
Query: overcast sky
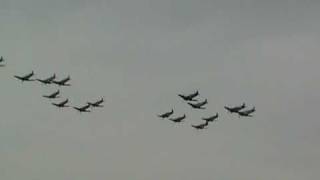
138, 55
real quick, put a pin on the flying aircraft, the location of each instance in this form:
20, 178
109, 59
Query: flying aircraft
1, 61
83, 108
236, 108
62, 104
212, 118
48, 80
97, 103
63, 81
178, 119
189, 97
26, 77
199, 105
247, 113
201, 126
166, 115
53, 95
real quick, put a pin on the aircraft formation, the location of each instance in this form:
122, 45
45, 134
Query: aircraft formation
189, 99
195, 104
56, 94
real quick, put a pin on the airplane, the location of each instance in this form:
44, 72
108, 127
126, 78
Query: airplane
48, 80
199, 105
53, 95
247, 113
62, 82
212, 118
1, 61
83, 108
166, 115
97, 103
61, 104
178, 119
189, 97
201, 126
26, 77
236, 108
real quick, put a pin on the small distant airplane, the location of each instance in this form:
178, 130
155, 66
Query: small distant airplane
189, 97
199, 105
212, 118
53, 95
97, 103
26, 77
247, 113
1, 61
48, 80
166, 115
201, 126
236, 108
83, 108
62, 104
178, 119
62, 82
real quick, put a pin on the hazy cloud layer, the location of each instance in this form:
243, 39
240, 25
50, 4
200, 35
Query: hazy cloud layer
139, 54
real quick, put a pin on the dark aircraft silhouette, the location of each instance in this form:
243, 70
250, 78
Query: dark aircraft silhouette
199, 105
166, 115
201, 126
83, 108
189, 97
62, 82
1, 61
26, 77
97, 103
48, 80
178, 119
212, 118
236, 108
53, 95
62, 104
247, 113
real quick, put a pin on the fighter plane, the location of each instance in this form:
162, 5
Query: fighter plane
178, 119
26, 77
83, 108
48, 80
199, 105
236, 108
53, 95
201, 126
189, 97
247, 113
212, 118
166, 115
62, 82
61, 104
97, 103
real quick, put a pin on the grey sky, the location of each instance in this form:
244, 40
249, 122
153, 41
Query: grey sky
139, 54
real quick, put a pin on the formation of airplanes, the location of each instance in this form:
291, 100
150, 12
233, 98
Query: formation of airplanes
56, 94
240, 110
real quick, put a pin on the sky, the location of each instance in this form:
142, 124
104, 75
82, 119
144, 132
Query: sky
138, 55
